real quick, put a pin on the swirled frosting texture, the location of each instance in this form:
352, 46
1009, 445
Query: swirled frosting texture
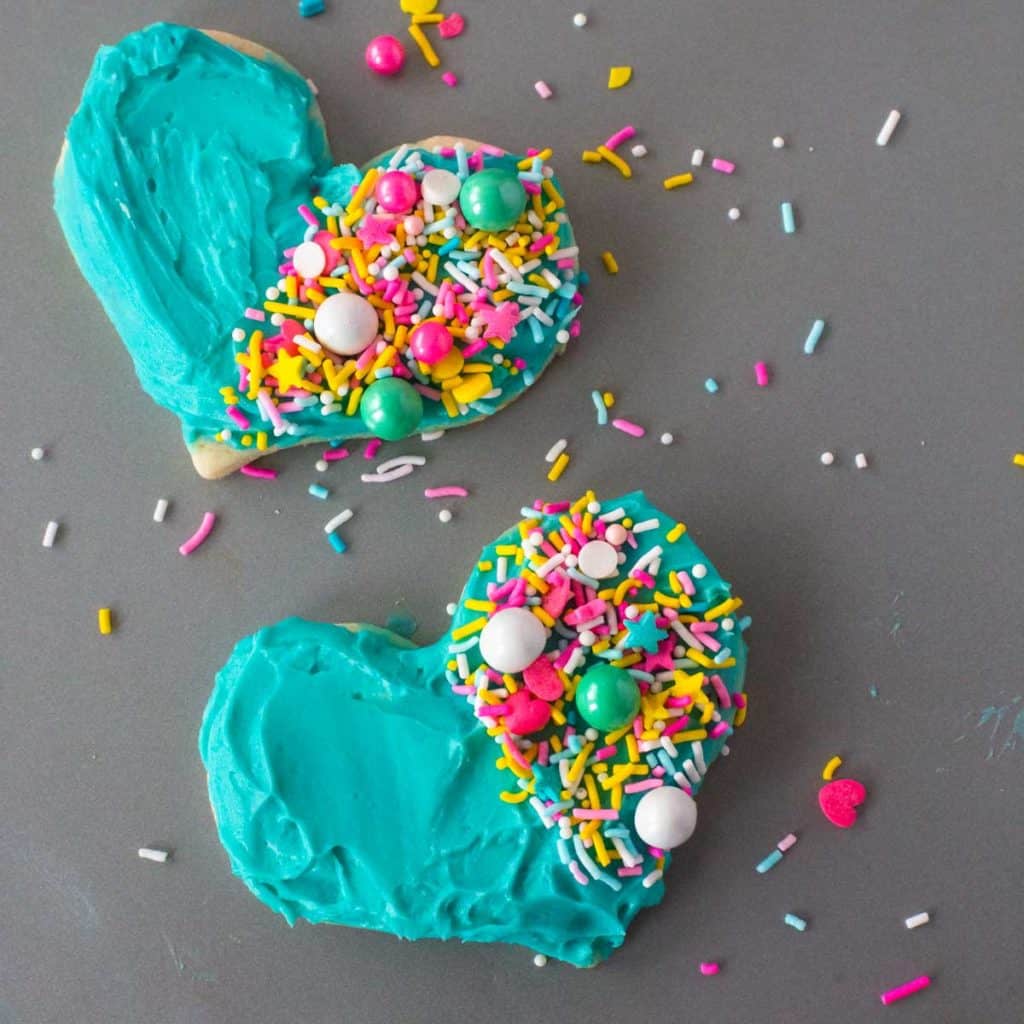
177, 190
351, 786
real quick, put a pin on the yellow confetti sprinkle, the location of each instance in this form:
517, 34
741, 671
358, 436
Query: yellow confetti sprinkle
619, 76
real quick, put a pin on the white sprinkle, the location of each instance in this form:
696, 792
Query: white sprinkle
238, 334
432, 435
542, 89
639, 150
917, 920
37, 454
860, 460
888, 128
697, 158
339, 520
667, 438
778, 142
386, 478
734, 213
647, 524
445, 515
321, 465
312, 87
161, 510
827, 458
451, 608
555, 450
652, 878
579, 20
540, 959
160, 856
401, 460
50, 535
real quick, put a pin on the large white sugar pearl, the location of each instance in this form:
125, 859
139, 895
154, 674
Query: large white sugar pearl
665, 817
512, 639
345, 323
440, 187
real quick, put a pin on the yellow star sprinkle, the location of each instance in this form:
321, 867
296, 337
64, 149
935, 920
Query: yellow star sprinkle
288, 371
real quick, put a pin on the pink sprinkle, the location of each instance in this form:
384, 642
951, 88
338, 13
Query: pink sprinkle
255, 314
725, 166
485, 148
450, 79
552, 508
309, 216
372, 448
605, 752
542, 243
894, 995
543, 90
621, 136
639, 787
446, 492
761, 374
259, 472
722, 690
597, 814
629, 872
200, 535
334, 454
464, 690
577, 873
709, 967
238, 416
676, 726
268, 407
786, 842
719, 729
629, 427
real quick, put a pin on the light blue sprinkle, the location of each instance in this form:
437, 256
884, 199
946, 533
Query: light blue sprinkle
723, 655
337, 543
639, 673
528, 378
527, 289
537, 165
464, 645
579, 577
563, 852
447, 221
613, 883
537, 331
666, 762
745, 623
426, 306
711, 385
575, 743
310, 233
612, 654
618, 832
769, 862
581, 851
448, 247
319, 491
795, 922
531, 176
817, 330
483, 407
385, 371
788, 219
452, 677
461, 161
602, 409
568, 290
651, 758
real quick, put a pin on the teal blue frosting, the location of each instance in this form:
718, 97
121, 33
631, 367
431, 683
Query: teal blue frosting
177, 191
351, 786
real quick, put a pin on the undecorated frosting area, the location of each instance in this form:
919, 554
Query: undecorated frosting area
177, 190
349, 786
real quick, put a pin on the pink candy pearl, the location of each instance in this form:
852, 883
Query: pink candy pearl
385, 55
431, 342
413, 225
615, 534
396, 192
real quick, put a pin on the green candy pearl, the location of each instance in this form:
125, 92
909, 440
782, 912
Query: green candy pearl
391, 408
608, 697
492, 200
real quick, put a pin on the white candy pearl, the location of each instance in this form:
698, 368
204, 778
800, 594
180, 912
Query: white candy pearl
345, 323
309, 260
597, 558
665, 817
440, 187
512, 639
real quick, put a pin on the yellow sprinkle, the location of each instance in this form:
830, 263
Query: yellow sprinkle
613, 737
507, 550
634, 750
354, 398
332, 224
675, 533
591, 156
724, 608
741, 716
576, 771
450, 405
356, 202
610, 263
582, 502
669, 602
424, 44
616, 161
831, 768
619, 76
513, 798
556, 744
690, 736
473, 389
624, 587
609, 399
319, 202
1018, 459
476, 605
261, 440
559, 467
469, 628
246, 440
600, 850
427, 19
543, 616
535, 581
103, 620
302, 312
705, 662
595, 800
677, 181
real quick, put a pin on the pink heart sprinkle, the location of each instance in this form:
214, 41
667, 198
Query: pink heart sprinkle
839, 799
542, 679
452, 26
526, 715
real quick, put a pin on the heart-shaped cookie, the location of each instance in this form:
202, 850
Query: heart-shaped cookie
269, 298
357, 779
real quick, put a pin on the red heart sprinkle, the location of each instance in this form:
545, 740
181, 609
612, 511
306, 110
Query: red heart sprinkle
526, 715
452, 26
541, 678
839, 799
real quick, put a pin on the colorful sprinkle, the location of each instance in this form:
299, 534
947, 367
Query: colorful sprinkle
610, 263
556, 471
104, 621
827, 458
761, 374
579, 20
677, 181
197, 538
795, 922
894, 995
860, 460
788, 218
629, 427
543, 90
445, 492
319, 491
259, 472
722, 166
556, 449
769, 862
811, 343
787, 842
602, 409
37, 454
340, 519
619, 76
709, 968
1018, 459
624, 134
831, 768
450, 79
697, 158
711, 386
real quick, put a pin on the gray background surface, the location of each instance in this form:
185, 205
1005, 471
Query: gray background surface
905, 577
